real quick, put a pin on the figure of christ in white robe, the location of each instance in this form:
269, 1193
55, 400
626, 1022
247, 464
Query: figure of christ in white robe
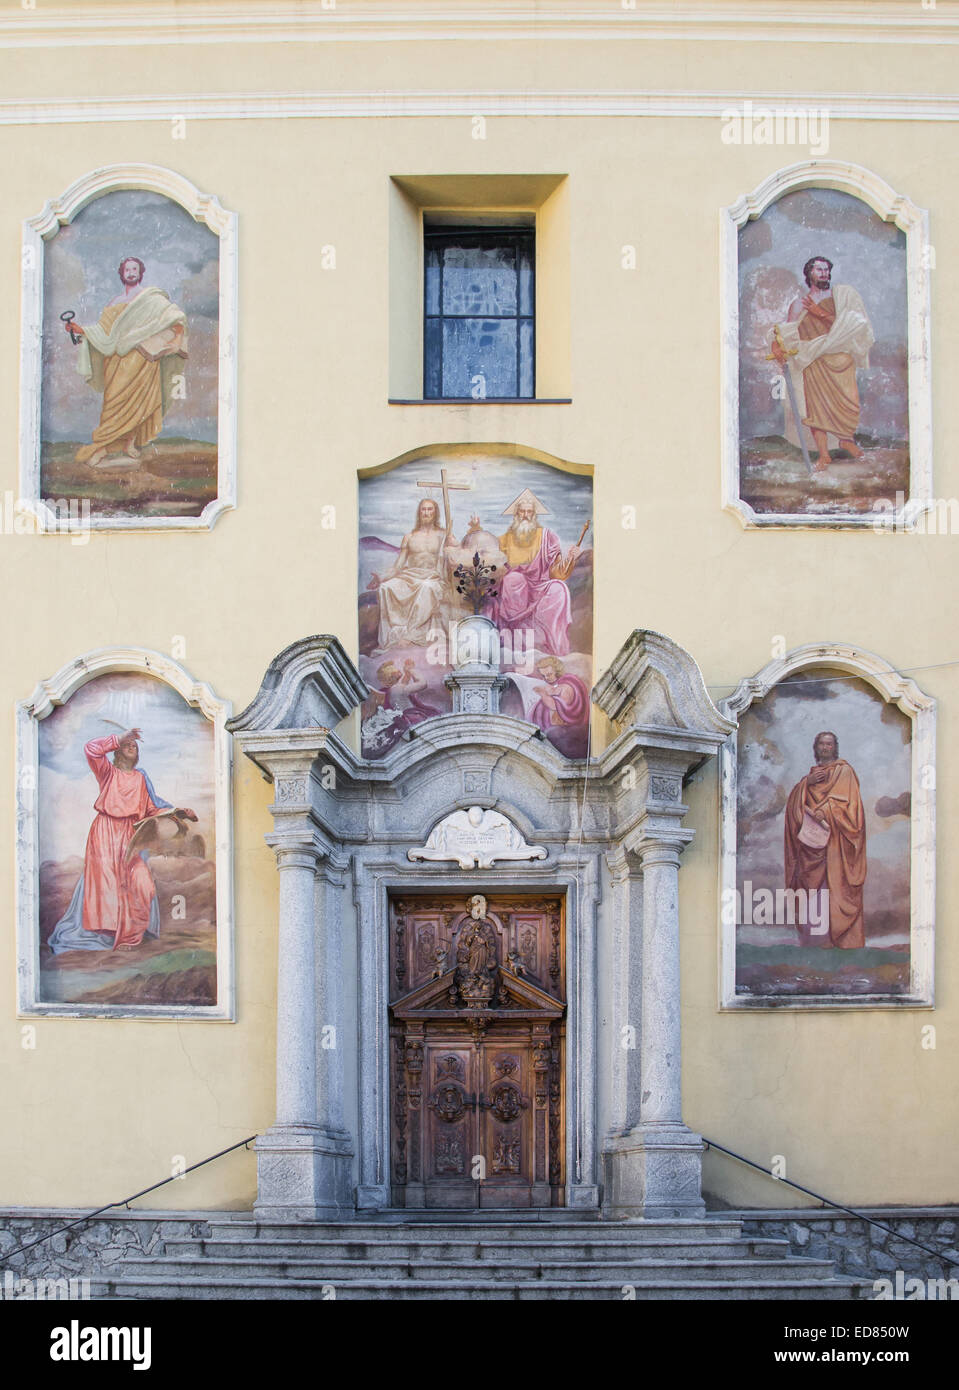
412, 594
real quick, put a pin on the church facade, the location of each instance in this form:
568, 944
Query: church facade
479, 524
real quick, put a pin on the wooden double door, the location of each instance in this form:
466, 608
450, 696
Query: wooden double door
477, 1037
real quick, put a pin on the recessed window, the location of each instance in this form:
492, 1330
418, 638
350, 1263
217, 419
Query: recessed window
479, 341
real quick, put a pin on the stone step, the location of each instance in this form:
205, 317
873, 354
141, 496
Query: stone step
478, 1216
481, 1272
466, 1227
468, 1250
193, 1288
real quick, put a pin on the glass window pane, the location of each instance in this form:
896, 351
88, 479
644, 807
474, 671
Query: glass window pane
480, 300
479, 356
479, 280
526, 278
526, 357
433, 357
432, 279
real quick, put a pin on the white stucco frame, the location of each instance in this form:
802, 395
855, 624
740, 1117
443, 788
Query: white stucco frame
202, 207
914, 221
48, 695
921, 709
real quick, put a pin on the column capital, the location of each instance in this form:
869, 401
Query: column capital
294, 856
656, 843
664, 849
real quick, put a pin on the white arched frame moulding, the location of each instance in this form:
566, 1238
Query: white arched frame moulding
48, 696
921, 709
37, 231
914, 221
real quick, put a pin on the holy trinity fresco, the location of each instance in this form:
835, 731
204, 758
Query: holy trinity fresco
130, 359
823, 359
426, 527
823, 841
127, 893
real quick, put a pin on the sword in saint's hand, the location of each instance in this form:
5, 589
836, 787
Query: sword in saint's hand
104, 720
791, 393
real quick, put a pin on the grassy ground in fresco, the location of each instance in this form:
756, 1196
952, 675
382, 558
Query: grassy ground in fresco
172, 477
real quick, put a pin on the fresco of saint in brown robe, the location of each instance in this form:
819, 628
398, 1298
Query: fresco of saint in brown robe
828, 797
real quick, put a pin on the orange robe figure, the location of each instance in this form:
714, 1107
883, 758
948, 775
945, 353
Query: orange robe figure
840, 866
829, 383
117, 893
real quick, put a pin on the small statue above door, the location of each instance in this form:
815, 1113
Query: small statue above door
476, 963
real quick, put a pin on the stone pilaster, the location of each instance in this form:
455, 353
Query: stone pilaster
654, 695
626, 977
304, 1158
653, 1163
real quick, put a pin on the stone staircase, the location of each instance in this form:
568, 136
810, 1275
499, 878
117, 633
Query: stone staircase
489, 1255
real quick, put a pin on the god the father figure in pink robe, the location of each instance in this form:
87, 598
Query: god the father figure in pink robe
533, 594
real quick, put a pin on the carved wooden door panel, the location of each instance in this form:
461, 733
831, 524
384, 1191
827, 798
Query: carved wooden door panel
450, 1122
477, 1031
506, 1125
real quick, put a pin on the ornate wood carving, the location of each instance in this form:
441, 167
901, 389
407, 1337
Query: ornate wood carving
477, 972
506, 1155
478, 1036
400, 1102
449, 1102
448, 1154
414, 1072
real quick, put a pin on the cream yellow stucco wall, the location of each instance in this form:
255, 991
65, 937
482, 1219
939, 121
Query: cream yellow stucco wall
99, 1108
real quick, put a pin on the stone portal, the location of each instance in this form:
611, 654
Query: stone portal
418, 1034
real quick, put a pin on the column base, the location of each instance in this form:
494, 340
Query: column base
303, 1173
582, 1196
655, 1172
372, 1197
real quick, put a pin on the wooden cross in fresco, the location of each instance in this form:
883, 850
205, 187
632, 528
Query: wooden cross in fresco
447, 487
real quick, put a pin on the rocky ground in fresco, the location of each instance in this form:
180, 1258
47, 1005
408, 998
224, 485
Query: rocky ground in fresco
774, 478
172, 477
794, 971
178, 967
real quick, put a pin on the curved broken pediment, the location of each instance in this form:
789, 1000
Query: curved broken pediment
310, 684
653, 683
